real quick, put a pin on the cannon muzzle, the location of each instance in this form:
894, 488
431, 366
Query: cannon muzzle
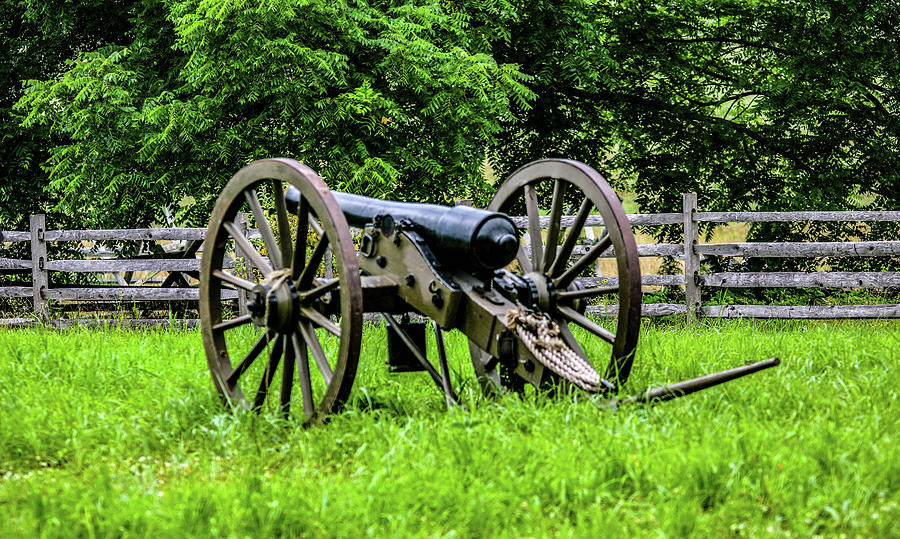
460, 236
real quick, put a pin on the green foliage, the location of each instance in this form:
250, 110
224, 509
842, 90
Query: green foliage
759, 104
755, 105
36, 38
388, 100
120, 433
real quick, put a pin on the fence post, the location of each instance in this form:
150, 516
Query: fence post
691, 258
241, 221
39, 278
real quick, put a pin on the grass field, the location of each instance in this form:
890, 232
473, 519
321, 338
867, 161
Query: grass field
118, 433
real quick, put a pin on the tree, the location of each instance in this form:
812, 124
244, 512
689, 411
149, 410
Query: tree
753, 104
36, 38
387, 100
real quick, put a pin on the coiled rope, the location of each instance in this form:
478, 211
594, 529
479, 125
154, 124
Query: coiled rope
541, 336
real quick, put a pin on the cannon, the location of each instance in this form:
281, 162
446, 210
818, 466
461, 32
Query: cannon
520, 299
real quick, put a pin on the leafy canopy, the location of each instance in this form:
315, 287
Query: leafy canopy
37, 37
758, 104
754, 104
388, 100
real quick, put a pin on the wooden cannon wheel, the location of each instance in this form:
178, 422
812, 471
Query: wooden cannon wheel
552, 188
286, 285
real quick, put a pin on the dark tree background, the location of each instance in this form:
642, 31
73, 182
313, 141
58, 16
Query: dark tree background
762, 105
121, 107
37, 38
754, 105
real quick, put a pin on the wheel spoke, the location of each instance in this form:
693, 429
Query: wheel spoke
235, 280
284, 227
309, 272
449, 396
233, 323
572, 235
264, 228
319, 291
566, 334
316, 226
556, 207
309, 406
247, 248
582, 263
587, 292
574, 316
299, 261
320, 320
287, 373
250, 358
269, 374
534, 225
315, 347
523, 260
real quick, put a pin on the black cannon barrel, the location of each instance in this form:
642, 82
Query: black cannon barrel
460, 236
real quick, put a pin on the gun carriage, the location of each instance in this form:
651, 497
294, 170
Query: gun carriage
521, 304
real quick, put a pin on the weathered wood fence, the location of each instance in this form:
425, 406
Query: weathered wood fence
692, 279
174, 288
695, 282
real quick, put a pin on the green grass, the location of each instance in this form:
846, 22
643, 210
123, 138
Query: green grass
118, 433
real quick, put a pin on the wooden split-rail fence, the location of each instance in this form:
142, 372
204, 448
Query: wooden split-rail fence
690, 250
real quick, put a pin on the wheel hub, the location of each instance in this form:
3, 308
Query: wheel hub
275, 303
534, 290
543, 291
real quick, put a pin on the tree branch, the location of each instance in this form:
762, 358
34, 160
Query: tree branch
743, 42
718, 102
878, 105
703, 118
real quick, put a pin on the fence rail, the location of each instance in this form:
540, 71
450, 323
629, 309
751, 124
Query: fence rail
821, 312
692, 279
799, 249
114, 234
794, 216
